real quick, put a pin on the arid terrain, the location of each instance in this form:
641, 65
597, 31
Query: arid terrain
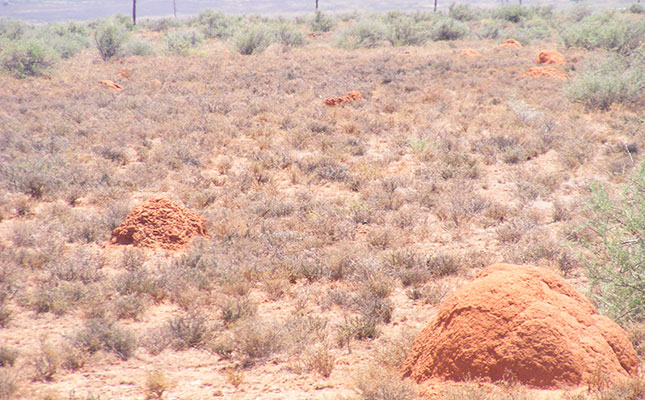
333, 229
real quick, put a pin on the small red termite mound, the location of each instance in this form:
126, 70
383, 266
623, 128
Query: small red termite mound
510, 44
111, 85
470, 53
125, 73
525, 323
548, 72
159, 223
334, 101
550, 57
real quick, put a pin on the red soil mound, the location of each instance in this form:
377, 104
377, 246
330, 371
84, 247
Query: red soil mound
159, 223
126, 73
470, 53
550, 57
549, 72
334, 101
523, 323
111, 85
510, 44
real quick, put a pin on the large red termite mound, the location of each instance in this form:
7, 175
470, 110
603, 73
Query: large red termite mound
159, 223
521, 323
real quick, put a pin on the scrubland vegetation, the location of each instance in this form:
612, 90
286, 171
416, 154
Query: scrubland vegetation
334, 231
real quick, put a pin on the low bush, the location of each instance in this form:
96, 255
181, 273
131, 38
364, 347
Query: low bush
100, 334
449, 29
253, 40
367, 33
140, 47
65, 39
614, 79
28, 57
322, 22
216, 24
181, 42
607, 31
462, 12
512, 13
109, 39
289, 36
616, 270
12, 29
404, 30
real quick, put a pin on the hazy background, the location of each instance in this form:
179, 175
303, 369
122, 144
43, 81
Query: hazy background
79, 10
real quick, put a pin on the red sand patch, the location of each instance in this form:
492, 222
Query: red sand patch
510, 44
159, 223
525, 323
111, 85
351, 96
470, 53
550, 57
548, 72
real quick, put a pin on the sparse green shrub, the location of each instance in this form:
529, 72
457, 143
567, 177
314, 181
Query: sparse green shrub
615, 79
189, 330
616, 270
28, 57
449, 29
100, 334
8, 356
128, 307
322, 22
236, 309
253, 40
404, 30
513, 13
367, 33
607, 31
490, 29
156, 385
8, 384
46, 363
12, 29
257, 339
321, 360
216, 24
462, 12
57, 297
378, 383
443, 264
140, 47
180, 42
109, 40
65, 39
532, 29
636, 8
289, 36
82, 265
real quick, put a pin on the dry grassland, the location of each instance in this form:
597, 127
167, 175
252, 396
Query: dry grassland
334, 231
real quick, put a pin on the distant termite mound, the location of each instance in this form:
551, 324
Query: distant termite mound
550, 57
522, 323
510, 44
470, 53
159, 223
548, 72
334, 101
111, 85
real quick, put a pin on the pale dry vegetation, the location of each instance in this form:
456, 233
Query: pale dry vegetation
334, 231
